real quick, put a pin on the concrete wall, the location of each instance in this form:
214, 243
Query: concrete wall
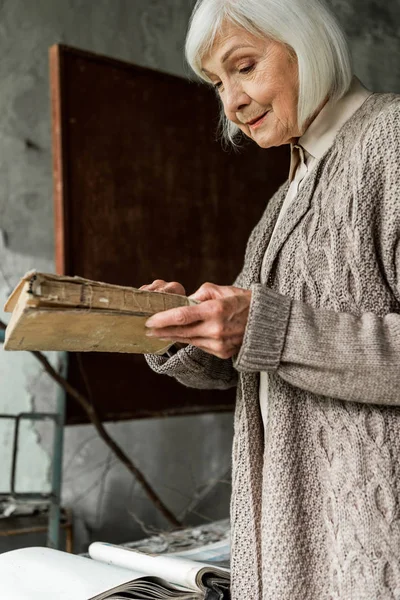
373, 28
182, 457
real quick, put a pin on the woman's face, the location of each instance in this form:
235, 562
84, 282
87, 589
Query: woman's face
257, 80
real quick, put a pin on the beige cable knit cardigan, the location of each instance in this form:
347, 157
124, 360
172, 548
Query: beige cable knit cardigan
316, 505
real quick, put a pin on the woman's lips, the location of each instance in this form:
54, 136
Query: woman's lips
259, 121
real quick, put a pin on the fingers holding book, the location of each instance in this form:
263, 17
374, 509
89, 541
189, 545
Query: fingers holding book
216, 325
159, 285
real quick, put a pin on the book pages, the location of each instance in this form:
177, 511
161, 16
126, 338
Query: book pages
179, 571
46, 574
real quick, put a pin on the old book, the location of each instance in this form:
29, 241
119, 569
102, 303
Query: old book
53, 312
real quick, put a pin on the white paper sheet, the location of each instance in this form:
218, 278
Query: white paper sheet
45, 574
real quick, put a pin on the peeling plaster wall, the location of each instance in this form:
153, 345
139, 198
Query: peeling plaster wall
182, 457
19, 376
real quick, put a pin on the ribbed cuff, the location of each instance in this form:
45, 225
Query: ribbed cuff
180, 363
265, 332
157, 362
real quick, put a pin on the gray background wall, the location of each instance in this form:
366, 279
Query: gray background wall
186, 459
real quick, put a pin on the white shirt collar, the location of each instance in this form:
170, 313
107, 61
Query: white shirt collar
320, 134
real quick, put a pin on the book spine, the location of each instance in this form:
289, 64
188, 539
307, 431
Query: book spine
84, 295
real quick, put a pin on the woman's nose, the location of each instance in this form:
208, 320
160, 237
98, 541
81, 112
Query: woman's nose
235, 99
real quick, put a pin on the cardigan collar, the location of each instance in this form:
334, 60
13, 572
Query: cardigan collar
320, 134
350, 104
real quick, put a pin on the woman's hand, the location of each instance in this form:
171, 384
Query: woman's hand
159, 285
216, 325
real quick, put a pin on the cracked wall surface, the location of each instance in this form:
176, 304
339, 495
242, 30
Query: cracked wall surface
186, 458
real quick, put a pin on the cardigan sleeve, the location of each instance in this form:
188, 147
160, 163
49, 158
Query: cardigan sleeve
195, 368
339, 355
354, 357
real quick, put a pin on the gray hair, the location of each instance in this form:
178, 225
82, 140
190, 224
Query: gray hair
307, 27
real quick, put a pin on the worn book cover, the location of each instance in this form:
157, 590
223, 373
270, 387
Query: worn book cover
54, 312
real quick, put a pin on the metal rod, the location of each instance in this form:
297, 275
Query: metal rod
53, 531
14, 455
17, 419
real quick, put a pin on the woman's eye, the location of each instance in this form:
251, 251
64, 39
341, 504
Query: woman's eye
246, 69
218, 85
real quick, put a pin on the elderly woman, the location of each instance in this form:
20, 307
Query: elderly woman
310, 331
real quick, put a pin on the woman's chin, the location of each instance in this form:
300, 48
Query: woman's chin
264, 141
268, 140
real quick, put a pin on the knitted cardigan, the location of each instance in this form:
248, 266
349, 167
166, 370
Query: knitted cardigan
315, 510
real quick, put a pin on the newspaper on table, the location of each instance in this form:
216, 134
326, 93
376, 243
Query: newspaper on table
116, 573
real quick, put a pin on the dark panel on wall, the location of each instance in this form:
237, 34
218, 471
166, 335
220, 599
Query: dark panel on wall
142, 191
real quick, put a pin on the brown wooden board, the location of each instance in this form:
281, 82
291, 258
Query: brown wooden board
143, 190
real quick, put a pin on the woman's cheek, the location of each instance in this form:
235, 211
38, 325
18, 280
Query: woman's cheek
244, 129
